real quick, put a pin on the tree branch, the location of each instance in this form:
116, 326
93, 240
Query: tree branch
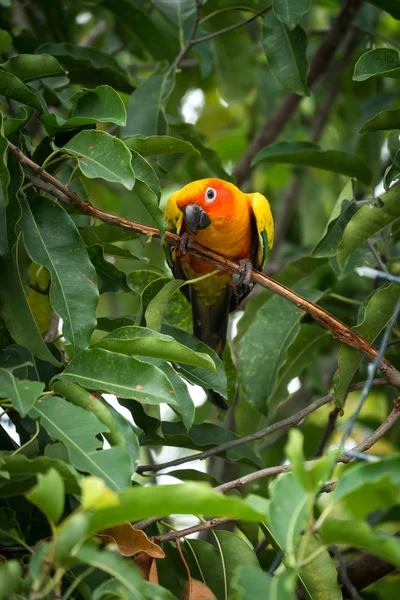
175, 535
289, 422
319, 65
338, 329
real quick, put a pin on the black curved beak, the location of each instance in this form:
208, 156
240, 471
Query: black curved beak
195, 217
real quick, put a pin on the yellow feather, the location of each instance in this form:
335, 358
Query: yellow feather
265, 225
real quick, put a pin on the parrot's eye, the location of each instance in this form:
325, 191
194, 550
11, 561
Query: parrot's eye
211, 194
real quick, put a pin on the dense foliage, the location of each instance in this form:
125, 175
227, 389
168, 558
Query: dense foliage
107, 107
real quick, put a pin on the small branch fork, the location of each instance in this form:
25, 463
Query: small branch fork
338, 329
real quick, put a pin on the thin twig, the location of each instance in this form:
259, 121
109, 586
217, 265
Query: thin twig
343, 575
289, 422
174, 535
319, 65
340, 331
329, 429
215, 34
377, 256
190, 40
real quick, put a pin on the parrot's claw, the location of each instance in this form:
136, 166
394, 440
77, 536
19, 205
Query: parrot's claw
187, 242
245, 273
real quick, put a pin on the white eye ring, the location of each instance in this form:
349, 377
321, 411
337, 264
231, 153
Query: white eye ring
210, 194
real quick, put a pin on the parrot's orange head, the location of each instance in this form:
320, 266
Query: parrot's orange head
207, 201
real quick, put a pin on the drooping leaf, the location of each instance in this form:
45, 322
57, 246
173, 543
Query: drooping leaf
383, 121
147, 191
393, 172
287, 512
268, 338
202, 437
373, 318
53, 241
367, 221
4, 172
124, 376
286, 52
14, 306
22, 394
146, 108
110, 278
250, 583
131, 541
188, 498
29, 67
15, 123
48, 495
359, 534
188, 132
12, 87
320, 577
102, 155
312, 155
89, 66
290, 11
380, 61
77, 428
195, 375
154, 145
141, 341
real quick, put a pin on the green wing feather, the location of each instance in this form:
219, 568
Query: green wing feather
265, 226
174, 218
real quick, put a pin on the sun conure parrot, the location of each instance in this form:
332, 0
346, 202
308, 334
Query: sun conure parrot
217, 215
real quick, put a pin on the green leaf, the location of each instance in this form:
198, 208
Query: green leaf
109, 277
378, 62
22, 394
16, 123
102, 155
367, 487
389, 6
286, 52
112, 563
373, 317
52, 240
320, 577
100, 105
235, 553
266, 342
342, 212
48, 495
5, 40
184, 408
89, 66
4, 172
146, 108
141, 341
359, 534
12, 87
29, 67
156, 307
308, 344
10, 577
367, 221
312, 155
188, 498
250, 583
77, 429
147, 191
154, 145
196, 375
393, 172
14, 305
287, 512
202, 437
295, 454
26, 470
290, 11
125, 376
188, 132
383, 121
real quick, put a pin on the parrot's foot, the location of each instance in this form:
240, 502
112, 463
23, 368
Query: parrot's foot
187, 242
245, 273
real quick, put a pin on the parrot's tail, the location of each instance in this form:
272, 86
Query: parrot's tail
210, 325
